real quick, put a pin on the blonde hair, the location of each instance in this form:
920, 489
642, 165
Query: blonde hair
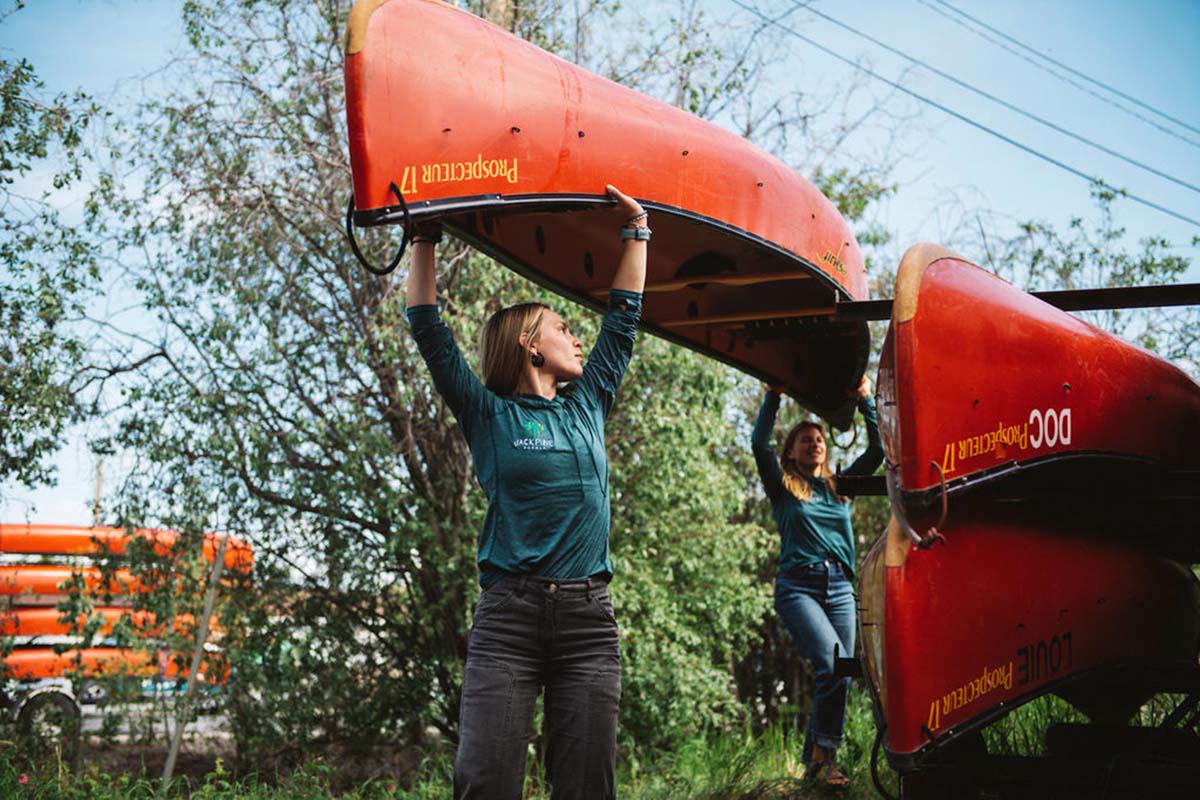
501, 356
793, 479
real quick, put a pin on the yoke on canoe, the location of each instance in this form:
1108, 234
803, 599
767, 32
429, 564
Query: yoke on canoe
452, 118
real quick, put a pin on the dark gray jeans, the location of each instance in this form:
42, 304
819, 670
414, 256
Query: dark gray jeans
531, 634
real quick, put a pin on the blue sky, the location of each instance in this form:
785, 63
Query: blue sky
1147, 50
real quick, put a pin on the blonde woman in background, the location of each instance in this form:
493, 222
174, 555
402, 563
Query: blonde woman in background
813, 591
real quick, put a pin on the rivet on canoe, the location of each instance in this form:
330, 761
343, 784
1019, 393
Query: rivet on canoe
515, 129
445, 130
589, 266
685, 152
975, 402
582, 134
1066, 387
539, 236
760, 184
814, 216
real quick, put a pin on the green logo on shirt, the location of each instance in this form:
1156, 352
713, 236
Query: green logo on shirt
537, 437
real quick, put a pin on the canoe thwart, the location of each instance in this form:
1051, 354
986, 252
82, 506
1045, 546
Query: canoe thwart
718, 280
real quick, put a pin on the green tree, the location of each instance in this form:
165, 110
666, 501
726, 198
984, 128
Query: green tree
47, 271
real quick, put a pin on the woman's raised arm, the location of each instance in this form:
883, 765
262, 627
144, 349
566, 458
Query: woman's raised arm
422, 275
631, 270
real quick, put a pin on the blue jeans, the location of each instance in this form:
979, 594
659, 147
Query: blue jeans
531, 634
816, 604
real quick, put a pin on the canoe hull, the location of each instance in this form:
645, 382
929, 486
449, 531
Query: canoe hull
981, 383
511, 148
1008, 609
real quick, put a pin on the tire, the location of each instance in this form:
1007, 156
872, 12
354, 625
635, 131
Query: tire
49, 724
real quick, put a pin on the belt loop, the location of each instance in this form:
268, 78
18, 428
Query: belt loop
521, 585
588, 590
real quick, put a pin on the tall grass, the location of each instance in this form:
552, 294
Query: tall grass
724, 765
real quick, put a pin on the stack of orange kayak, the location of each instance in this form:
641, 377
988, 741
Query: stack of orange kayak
1042, 481
452, 118
30, 592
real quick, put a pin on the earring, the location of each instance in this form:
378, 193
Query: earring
537, 359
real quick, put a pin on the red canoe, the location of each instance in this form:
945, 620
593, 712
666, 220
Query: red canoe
511, 147
982, 383
27, 538
1006, 610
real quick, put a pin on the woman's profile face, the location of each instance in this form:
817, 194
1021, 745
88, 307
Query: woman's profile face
562, 351
808, 450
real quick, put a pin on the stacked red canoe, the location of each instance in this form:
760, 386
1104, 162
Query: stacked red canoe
1043, 466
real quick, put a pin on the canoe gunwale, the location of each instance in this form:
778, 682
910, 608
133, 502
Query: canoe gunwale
542, 203
925, 498
1175, 487
1172, 676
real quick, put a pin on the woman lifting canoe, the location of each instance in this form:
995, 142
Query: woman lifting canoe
813, 593
544, 620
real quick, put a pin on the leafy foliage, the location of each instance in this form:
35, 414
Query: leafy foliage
48, 271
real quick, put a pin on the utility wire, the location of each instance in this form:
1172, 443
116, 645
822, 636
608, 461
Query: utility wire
1074, 72
978, 125
1086, 90
1005, 103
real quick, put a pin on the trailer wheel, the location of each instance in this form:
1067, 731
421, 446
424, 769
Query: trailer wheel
49, 723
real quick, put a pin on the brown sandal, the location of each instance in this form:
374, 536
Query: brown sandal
827, 775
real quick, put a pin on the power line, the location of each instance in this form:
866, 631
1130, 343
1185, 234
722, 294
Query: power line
1044, 68
1058, 128
978, 125
1074, 72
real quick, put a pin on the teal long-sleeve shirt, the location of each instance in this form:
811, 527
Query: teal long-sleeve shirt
819, 528
541, 462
